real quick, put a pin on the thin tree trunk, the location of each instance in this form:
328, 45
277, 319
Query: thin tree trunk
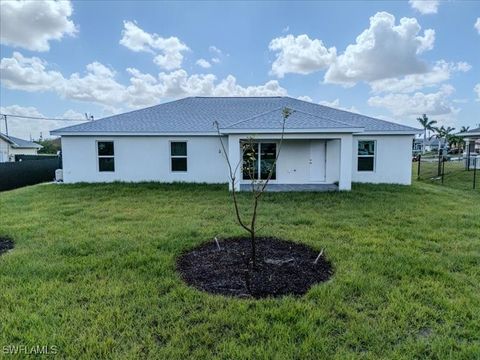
424, 140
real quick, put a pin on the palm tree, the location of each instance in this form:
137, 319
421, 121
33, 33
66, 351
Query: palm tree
427, 125
464, 129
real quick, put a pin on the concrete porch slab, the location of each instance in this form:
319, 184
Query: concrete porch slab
294, 187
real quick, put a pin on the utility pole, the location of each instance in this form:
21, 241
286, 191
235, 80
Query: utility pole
6, 124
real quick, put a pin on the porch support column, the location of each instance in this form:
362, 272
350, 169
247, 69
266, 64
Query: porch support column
234, 156
346, 154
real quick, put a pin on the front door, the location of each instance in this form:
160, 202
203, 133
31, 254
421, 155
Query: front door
317, 160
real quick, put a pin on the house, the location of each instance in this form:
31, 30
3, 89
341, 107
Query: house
431, 144
177, 141
472, 140
472, 148
11, 146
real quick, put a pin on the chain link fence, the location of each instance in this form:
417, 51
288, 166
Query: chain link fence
456, 171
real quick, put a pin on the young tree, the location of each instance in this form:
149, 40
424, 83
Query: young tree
247, 164
427, 126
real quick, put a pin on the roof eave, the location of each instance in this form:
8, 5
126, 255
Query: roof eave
393, 132
293, 131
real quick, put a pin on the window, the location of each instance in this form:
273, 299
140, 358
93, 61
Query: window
178, 153
106, 156
366, 155
258, 159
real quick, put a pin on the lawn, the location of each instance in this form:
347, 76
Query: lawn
93, 274
455, 174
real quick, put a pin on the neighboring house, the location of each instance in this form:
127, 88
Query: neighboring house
472, 147
11, 146
431, 144
472, 140
177, 141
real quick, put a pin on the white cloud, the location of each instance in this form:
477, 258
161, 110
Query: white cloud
98, 84
215, 50
229, 87
217, 54
171, 49
26, 128
32, 24
477, 25
437, 103
384, 50
72, 114
477, 90
440, 72
425, 6
300, 55
28, 74
336, 104
305, 98
203, 63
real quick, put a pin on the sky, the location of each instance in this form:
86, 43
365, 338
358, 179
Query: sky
394, 60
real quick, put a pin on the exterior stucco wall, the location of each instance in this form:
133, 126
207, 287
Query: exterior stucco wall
4, 146
293, 162
14, 151
147, 158
393, 160
143, 159
333, 161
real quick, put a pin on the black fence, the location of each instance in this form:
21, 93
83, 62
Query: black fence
452, 170
27, 172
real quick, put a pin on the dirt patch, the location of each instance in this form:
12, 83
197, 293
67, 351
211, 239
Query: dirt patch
5, 244
283, 268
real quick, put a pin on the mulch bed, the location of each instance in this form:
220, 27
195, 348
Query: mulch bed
283, 268
5, 244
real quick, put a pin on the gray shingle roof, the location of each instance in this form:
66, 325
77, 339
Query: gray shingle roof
297, 120
20, 143
197, 114
472, 133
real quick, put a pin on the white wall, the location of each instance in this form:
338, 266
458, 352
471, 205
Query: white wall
393, 160
143, 159
333, 161
293, 163
148, 159
14, 151
4, 150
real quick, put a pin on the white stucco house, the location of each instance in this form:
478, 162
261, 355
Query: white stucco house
177, 141
11, 146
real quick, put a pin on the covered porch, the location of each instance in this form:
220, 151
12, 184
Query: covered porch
306, 162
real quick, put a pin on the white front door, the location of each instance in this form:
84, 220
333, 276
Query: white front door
317, 160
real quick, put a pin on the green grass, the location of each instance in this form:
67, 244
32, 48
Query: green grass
93, 273
455, 175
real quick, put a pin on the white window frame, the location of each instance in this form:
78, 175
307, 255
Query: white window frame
105, 156
374, 156
260, 162
178, 156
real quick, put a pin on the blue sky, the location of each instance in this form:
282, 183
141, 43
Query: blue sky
109, 57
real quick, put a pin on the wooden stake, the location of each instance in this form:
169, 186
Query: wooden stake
318, 257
